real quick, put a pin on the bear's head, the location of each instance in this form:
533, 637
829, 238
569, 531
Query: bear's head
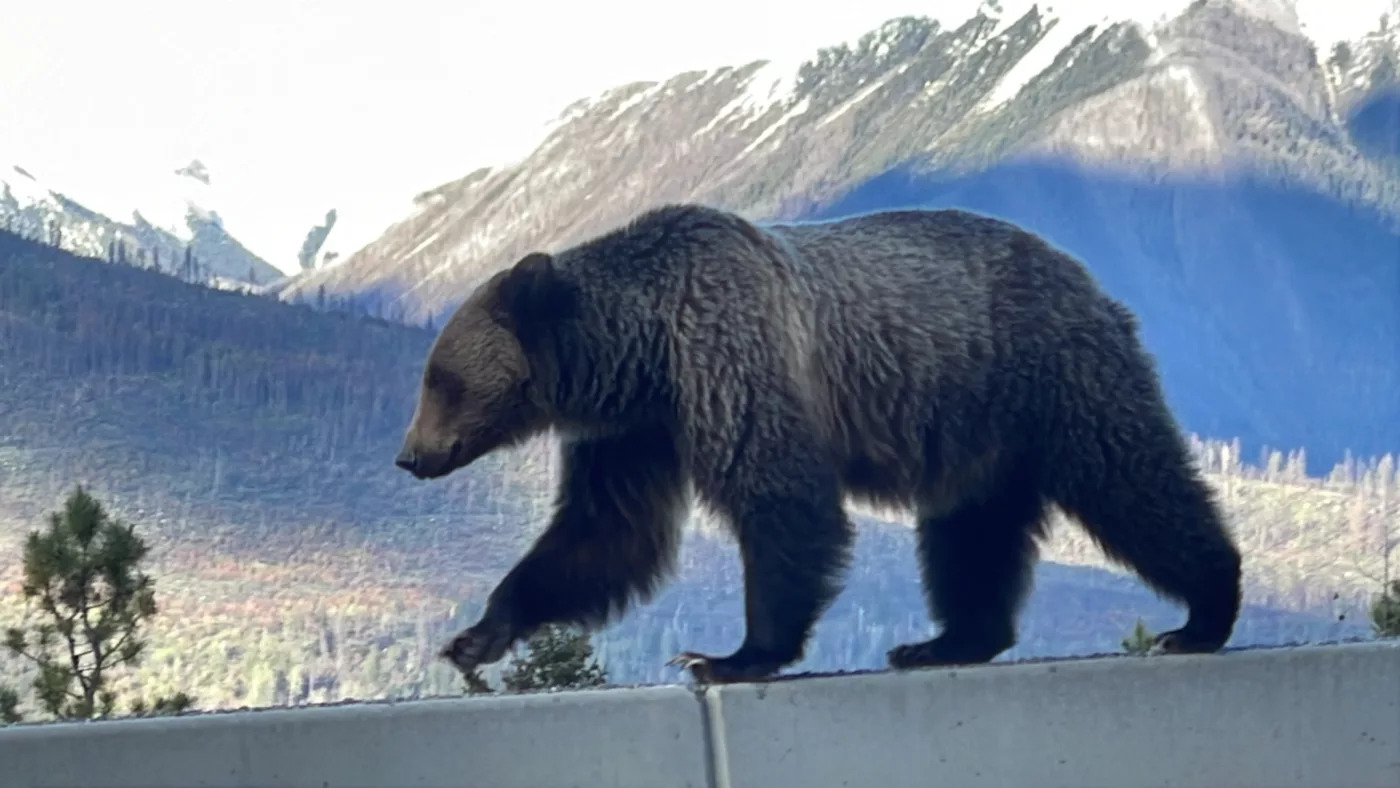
481, 384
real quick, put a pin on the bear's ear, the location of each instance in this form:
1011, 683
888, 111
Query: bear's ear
533, 294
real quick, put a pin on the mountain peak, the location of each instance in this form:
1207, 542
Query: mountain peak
161, 217
196, 170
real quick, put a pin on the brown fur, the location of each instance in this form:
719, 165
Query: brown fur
935, 360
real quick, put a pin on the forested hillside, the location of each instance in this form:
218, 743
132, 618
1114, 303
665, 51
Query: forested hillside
253, 440
275, 418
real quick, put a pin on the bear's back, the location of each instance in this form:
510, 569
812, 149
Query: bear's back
930, 257
927, 322
930, 282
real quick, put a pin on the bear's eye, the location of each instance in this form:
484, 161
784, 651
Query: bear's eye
446, 384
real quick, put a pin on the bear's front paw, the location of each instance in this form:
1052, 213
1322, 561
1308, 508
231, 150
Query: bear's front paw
482, 644
698, 665
1179, 641
724, 670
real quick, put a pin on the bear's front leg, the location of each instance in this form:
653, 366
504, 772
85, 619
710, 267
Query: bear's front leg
480, 644
612, 539
783, 503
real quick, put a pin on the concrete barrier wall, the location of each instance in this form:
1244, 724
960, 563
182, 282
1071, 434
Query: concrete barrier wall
640, 738
1305, 717
1310, 717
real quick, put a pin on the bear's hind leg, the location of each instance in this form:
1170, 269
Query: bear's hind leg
976, 566
1146, 508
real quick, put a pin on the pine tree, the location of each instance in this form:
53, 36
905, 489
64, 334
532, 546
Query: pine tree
1139, 641
1385, 611
83, 573
557, 659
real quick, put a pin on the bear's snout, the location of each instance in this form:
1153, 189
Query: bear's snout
428, 464
408, 460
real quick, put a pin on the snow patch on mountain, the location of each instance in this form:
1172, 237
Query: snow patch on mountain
1040, 57
797, 109
28, 204
424, 244
153, 222
27, 189
636, 98
769, 84
169, 209
773, 83
1065, 21
862, 95
23, 186
1079, 14
1325, 22
168, 201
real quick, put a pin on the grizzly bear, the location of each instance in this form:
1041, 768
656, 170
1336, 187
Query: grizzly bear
950, 364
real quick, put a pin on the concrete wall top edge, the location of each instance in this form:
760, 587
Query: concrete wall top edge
1312, 716
1154, 665
451, 704
317, 712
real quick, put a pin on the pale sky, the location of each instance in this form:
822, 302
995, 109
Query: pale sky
297, 106
300, 106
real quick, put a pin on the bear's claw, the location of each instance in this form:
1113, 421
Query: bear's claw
737, 667
698, 665
1177, 641
481, 644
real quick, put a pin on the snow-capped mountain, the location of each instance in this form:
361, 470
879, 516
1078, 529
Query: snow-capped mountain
1222, 166
1156, 90
172, 215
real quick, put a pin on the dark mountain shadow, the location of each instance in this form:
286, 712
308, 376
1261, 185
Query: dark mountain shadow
1274, 313
1374, 124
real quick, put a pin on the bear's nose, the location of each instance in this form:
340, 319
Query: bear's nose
408, 460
